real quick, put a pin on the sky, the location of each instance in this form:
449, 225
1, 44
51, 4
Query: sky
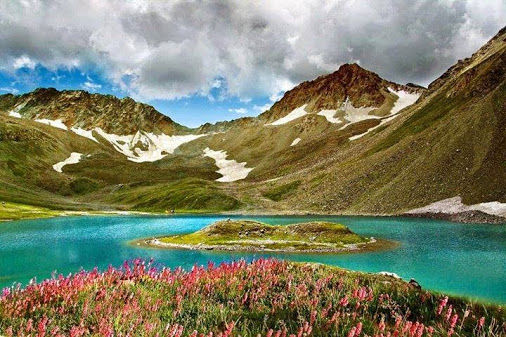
205, 61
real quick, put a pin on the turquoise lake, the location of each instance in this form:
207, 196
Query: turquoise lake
460, 259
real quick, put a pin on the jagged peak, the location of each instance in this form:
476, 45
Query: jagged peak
89, 110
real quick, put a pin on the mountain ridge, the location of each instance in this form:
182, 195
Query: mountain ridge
84, 110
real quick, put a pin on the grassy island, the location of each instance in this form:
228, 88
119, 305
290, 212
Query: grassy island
248, 235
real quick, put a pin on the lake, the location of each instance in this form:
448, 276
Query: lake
460, 259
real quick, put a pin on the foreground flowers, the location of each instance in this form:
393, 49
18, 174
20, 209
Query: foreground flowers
267, 297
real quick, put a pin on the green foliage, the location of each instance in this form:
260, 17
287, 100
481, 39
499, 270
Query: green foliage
13, 211
185, 195
280, 192
247, 234
83, 185
264, 297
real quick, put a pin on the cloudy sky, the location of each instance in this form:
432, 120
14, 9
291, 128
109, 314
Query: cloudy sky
200, 61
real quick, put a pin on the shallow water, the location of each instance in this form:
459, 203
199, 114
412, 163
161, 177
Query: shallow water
461, 259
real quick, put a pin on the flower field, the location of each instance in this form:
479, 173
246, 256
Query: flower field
267, 297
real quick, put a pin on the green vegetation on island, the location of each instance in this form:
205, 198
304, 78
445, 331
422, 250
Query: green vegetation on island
248, 235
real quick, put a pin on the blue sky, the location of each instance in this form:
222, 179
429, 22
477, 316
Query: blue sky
192, 111
205, 61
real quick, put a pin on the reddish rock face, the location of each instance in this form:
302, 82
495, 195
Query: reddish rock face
351, 82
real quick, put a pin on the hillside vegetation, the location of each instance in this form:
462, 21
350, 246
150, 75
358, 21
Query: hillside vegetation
265, 298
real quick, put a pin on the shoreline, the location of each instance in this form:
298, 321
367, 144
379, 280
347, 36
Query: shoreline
468, 217
374, 245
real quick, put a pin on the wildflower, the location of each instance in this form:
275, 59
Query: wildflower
359, 329
449, 313
481, 322
454, 320
381, 325
442, 304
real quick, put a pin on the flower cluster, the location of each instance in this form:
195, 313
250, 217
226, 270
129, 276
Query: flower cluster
266, 297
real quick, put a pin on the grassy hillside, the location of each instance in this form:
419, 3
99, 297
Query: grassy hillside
186, 195
265, 298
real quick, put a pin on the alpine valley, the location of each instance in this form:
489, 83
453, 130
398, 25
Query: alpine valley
348, 142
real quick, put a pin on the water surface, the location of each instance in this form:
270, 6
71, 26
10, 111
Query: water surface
461, 259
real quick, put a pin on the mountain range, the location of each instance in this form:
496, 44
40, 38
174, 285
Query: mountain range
348, 142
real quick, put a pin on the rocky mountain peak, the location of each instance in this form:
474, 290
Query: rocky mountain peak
350, 84
84, 110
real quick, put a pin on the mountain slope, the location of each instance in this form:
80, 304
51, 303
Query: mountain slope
80, 109
449, 143
133, 129
350, 88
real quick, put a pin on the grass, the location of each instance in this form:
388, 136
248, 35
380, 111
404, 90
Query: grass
186, 195
13, 211
254, 235
264, 298
280, 192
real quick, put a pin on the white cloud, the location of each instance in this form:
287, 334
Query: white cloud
10, 90
262, 108
167, 50
239, 110
91, 86
24, 62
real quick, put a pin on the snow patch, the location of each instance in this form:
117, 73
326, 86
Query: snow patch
405, 99
296, 113
295, 141
15, 112
74, 158
57, 123
329, 114
454, 205
355, 115
84, 133
152, 147
383, 121
231, 170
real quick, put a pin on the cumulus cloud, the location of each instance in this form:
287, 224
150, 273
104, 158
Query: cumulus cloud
168, 50
23, 62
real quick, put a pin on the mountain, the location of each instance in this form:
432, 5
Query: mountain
82, 110
351, 89
134, 129
346, 142
450, 143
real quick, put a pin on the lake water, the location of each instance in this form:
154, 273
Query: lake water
461, 259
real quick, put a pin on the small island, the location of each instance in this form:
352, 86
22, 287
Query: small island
248, 235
